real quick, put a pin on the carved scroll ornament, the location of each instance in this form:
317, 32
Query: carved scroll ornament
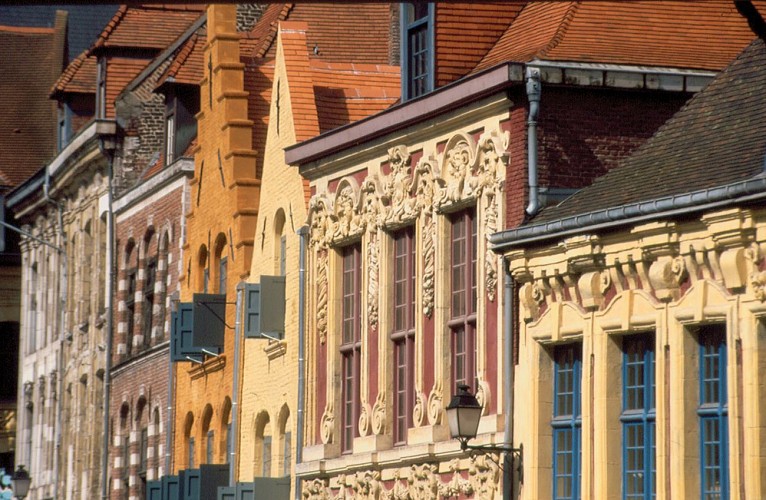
327, 425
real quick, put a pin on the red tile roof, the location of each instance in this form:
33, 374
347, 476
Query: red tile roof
188, 65
28, 118
78, 77
120, 72
680, 34
147, 26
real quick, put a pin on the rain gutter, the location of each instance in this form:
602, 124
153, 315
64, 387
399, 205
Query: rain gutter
667, 206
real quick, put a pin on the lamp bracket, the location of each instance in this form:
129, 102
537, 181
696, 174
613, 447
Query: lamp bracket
510, 452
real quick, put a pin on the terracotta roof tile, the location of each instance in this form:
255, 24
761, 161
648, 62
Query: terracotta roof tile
188, 65
260, 41
147, 26
120, 72
680, 34
717, 138
78, 77
28, 119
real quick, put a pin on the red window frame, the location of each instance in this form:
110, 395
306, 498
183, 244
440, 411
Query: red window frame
403, 332
463, 296
351, 343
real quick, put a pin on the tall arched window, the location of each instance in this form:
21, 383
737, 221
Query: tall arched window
208, 435
142, 426
149, 285
189, 440
220, 261
125, 451
129, 290
155, 459
285, 442
203, 272
225, 432
262, 464
280, 244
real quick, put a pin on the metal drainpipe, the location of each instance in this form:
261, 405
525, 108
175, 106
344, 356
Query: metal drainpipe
235, 388
303, 232
533, 95
109, 318
508, 379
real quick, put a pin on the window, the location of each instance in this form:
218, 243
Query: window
417, 49
287, 454
170, 136
222, 276
282, 255
638, 417
228, 442
713, 414
148, 310
64, 125
403, 335
210, 448
463, 297
206, 280
33, 288
191, 453
142, 463
101, 85
567, 421
266, 456
351, 343
130, 308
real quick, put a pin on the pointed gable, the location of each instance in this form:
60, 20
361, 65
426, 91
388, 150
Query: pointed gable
291, 47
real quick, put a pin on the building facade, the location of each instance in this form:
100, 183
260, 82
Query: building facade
640, 324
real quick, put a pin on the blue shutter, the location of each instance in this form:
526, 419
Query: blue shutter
154, 490
182, 324
171, 488
252, 311
191, 484
209, 321
273, 306
227, 493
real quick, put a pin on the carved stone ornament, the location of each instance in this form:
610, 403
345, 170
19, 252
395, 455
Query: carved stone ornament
666, 275
458, 161
319, 220
348, 220
41, 388
424, 482
435, 404
327, 426
758, 282
367, 485
371, 204
322, 287
419, 410
531, 296
52, 379
315, 489
398, 187
490, 258
483, 474
429, 265
29, 388
400, 491
457, 485
483, 396
379, 414
592, 287
365, 418
373, 251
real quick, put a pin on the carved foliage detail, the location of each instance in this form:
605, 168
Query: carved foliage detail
322, 286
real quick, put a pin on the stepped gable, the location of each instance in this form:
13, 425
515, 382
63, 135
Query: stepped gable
28, 120
717, 138
692, 35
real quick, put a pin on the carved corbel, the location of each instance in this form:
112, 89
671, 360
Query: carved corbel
435, 404
665, 276
327, 425
379, 414
531, 297
592, 287
365, 418
419, 410
484, 396
758, 284
734, 267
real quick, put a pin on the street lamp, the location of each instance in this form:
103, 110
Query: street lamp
463, 415
20, 481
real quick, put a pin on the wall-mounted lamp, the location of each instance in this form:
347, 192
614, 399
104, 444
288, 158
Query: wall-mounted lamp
463, 415
20, 482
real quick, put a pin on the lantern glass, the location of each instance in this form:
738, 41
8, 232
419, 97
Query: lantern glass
463, 415
20, 481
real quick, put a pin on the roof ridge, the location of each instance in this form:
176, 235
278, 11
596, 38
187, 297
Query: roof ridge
68, 73
561, 30
110, 27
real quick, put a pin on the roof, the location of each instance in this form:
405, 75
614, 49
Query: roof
691, 35
188, 65
147, 26
28, 119
78, 77
344, 93
343, 32
717, 138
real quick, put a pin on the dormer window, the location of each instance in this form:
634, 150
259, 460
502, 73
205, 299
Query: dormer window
64, 126
181, 104
417, 49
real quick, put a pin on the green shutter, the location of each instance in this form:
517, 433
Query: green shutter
253, 311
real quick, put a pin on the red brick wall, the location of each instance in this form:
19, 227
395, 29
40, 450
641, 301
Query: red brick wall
582, 133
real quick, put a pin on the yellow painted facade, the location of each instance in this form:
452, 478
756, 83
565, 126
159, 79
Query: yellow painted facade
218, 250
672, 280
270, 367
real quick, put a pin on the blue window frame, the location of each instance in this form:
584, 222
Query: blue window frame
567, 422
417, 48
713, 414
638, 418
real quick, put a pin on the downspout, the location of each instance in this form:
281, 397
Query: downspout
62, 303
109, 154
533, 95
508, 479
303, 232
235, 388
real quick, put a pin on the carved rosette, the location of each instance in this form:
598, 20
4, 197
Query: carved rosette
327, 426
379, 415
419, 410
483, 474
365, 417
321, 284
435, 404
